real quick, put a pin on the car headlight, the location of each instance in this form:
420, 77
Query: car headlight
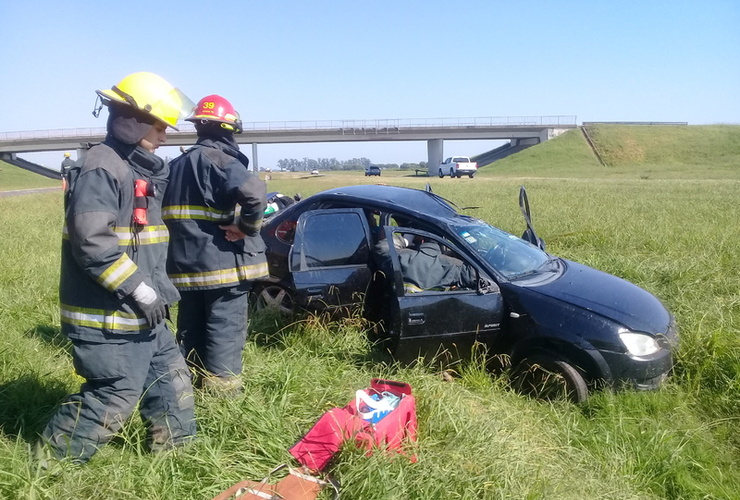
639, 344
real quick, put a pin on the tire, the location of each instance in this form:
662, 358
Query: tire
452, 173
471, 175
441, 174
548, 377
270, 296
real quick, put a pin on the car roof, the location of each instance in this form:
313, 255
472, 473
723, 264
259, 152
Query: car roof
398, 199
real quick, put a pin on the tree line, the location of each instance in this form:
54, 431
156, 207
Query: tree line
309, 164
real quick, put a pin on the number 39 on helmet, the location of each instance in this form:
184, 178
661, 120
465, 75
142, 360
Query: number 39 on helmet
215, 108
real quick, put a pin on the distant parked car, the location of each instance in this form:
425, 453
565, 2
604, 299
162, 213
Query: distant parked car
563, 326
372, 170
314, 172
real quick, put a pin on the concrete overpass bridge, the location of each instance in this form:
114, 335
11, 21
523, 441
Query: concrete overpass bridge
522, 131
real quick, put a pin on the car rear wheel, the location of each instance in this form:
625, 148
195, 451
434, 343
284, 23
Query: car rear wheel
548, 377
273, 297
452, 173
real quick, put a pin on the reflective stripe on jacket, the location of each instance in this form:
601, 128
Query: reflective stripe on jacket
211, 186
103, 257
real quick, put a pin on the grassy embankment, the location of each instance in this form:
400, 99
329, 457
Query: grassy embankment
13, 178
665, 221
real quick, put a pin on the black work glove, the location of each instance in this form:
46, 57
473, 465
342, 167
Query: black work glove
151, 305
154, 313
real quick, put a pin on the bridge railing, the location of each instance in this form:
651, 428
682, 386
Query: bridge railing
51, 134
395, 123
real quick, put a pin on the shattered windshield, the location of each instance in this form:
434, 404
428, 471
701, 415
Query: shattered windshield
511, 256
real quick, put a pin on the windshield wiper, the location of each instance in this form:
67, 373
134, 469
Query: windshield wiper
541, 268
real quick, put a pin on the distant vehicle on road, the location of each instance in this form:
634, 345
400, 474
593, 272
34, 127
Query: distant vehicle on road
372, 170
314, 172
457, 166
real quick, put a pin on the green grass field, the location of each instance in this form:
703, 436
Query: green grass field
663, 214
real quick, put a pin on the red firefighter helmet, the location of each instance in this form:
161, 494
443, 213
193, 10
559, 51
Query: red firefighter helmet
217, 109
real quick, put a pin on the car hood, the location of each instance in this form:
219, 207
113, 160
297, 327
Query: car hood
608, 296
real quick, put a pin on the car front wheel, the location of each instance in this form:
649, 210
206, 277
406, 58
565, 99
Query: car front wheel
441, 174
543, 376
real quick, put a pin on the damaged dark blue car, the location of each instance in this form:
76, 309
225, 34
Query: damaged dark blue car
559, 327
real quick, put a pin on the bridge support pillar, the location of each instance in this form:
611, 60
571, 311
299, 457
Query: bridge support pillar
549, 133
255, 169
435, 151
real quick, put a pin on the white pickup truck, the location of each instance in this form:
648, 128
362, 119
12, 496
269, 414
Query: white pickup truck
457, 166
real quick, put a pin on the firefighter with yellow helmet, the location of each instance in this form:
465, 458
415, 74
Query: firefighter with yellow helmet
113, 291
215, 250
67, 164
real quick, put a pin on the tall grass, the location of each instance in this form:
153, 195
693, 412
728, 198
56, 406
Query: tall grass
675, 237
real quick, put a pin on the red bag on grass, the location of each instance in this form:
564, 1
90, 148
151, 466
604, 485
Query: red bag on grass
316, 449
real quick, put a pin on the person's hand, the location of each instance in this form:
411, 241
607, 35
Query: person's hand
233, 233
150, 304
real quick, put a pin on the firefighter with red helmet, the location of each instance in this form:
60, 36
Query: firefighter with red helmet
113, 290
213, 208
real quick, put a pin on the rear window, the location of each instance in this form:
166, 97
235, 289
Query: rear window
332, 240
463, 159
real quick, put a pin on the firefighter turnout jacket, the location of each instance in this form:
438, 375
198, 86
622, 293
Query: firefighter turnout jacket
105, 256
211, 186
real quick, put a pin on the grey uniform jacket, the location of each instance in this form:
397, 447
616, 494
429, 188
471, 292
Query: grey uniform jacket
105, 256
206, 185
427, 268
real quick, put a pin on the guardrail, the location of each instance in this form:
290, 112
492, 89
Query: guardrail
397, 123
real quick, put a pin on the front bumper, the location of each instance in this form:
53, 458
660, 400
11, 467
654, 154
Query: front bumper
639, 372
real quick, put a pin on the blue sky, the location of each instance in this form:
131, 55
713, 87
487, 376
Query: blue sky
297, 60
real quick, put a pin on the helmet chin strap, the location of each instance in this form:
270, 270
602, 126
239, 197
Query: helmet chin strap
97, 107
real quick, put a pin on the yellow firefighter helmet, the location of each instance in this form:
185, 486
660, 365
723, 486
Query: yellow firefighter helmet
151, 94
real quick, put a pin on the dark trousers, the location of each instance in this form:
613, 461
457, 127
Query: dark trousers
119, 374
212, 328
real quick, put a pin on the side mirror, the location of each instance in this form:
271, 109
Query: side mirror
484, 286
